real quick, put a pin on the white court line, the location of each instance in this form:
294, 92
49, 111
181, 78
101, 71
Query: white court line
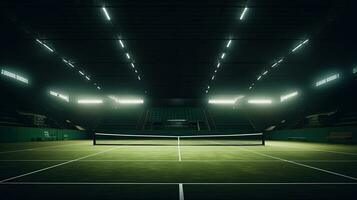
31, 149
53, 166
172, 183
312, 149
181, 194
186, 160
303, 165
179, 148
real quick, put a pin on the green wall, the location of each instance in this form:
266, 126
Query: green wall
314, 134
26, 134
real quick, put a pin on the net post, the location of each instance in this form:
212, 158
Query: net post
94, 138
263, 139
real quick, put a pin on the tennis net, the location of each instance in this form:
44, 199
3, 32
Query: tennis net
168, 140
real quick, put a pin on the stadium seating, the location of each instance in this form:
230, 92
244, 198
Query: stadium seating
229, 119
121, 119
164, 118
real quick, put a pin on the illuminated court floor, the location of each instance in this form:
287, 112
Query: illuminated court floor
77, 169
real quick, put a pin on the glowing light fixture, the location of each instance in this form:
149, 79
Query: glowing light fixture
229, 43
127, 55
14, 76
260, 101
106, 13
288, 96
354, 70
87, 78
243, 13
121, 43
81, 73
90, 101
326, 80
132, 65
225, 100
222, 56
221, 101
127, 100
61, 96
259, 77
68, 62
218, 64
300, 45
45, 45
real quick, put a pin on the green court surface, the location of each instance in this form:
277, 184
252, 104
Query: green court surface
77, 169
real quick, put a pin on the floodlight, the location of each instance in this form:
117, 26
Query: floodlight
225, 100
61, 96
229, 43
131, 101
121, 44
300, 45
127, 55
260, 101
64, 97
222, 56
221, 101
53, 93
43, 44
127, 100
326, 80
288, 96
68, 62
106, 13
243, 13
90, 101
14, 76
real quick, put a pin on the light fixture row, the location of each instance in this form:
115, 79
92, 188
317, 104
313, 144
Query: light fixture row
278, 62
67, 62
222, 55
123, 47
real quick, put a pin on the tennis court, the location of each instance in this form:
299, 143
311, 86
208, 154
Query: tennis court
80, 169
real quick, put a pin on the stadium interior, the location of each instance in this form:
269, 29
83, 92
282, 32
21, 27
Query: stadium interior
199, 99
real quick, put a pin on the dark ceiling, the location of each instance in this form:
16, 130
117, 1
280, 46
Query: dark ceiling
176, 44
